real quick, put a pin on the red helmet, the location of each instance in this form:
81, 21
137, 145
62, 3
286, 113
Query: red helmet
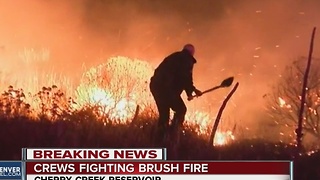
190, 48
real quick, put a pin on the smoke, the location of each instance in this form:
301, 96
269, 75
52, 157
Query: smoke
251, 40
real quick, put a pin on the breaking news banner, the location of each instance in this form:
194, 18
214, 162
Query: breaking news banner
158, 170
93, 154
10, 170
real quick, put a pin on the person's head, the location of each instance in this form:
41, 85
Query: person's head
190, 48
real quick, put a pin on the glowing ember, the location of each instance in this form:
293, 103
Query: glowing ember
282, 103
312, 152
223, 138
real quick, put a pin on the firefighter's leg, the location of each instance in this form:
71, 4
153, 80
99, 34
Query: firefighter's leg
180, 111
164, 113
163, 122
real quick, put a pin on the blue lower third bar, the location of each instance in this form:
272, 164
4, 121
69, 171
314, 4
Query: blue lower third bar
11, 170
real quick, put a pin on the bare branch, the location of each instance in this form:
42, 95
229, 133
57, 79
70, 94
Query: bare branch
288, 89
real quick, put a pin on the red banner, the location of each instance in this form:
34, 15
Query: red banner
163, 167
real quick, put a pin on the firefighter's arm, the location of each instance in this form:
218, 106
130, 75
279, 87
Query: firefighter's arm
188, 82
187, 79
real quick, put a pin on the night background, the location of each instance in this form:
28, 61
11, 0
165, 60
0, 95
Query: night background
74, 72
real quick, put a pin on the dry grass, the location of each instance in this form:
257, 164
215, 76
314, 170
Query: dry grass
84, 129
119, 85
59, 123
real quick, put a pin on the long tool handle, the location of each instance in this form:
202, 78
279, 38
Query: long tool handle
209, 90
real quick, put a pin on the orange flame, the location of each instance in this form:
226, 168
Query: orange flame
119, 86
283, 103
223, 138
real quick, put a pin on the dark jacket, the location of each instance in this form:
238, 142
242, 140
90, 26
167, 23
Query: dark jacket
174, 74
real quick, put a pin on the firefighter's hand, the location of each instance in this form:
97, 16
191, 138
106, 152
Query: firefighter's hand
198, 92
